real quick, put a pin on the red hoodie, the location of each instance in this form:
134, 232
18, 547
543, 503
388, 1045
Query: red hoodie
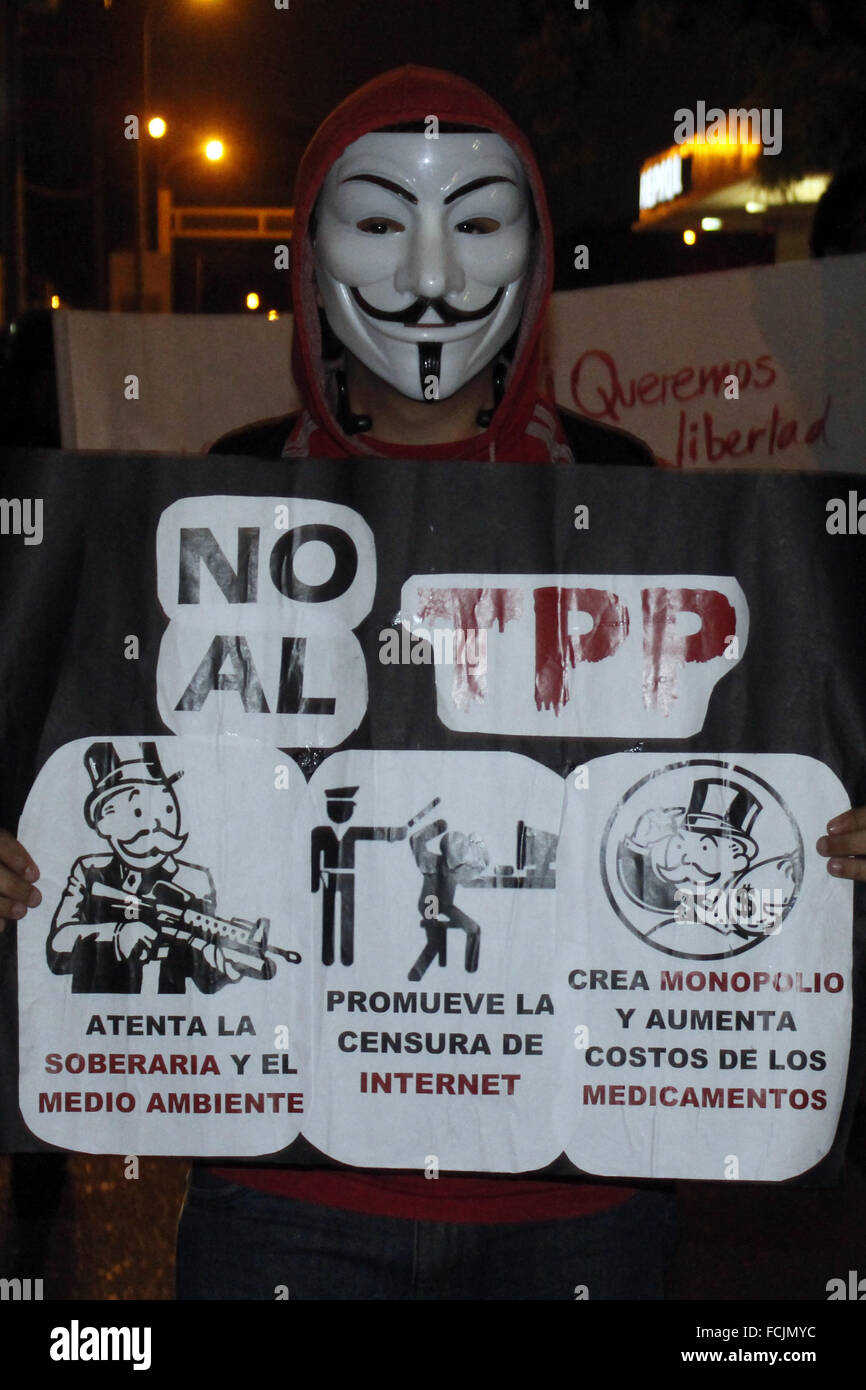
524, 428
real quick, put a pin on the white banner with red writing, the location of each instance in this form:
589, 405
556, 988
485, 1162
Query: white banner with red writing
757, 368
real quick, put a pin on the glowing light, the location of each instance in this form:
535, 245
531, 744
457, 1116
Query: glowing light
755, 207
156, 127
809, 189
689, 237
252, 300
723, 143
214, 149
661, 182
55, 301
272, 314
711, 224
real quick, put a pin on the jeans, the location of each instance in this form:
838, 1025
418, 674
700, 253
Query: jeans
238, 1243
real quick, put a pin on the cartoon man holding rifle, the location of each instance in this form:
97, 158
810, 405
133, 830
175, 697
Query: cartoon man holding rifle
140, 903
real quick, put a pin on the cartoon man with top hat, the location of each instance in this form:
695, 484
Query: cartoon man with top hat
691, 863
333, 868
103, 944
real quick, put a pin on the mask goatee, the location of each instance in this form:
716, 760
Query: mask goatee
429, 359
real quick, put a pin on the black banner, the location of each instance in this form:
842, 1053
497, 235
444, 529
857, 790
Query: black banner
454, 818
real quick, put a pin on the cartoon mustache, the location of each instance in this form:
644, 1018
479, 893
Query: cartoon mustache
160, 839
411, 316
683, 869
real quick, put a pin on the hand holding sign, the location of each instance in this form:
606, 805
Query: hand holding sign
18, 873
846, 843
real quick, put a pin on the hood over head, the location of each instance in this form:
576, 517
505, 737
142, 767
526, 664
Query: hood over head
406, 96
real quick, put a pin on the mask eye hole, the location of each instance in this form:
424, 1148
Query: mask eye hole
481, 226
379, 226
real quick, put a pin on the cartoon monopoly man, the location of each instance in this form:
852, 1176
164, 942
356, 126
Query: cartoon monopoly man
698, 866
103, 934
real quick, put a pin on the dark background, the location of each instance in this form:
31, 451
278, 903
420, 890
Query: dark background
596, 89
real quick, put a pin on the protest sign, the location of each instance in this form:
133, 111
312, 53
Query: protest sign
464, 812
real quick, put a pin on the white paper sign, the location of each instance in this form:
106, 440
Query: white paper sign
597, 656
132, 1039
757, 368
708, 967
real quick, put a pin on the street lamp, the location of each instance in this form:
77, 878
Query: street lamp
213, 150
142, 239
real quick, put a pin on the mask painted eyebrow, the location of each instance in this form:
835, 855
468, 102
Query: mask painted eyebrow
383, 183
476, 183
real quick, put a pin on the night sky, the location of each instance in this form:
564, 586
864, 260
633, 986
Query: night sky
270, 76
261, 78
264, 78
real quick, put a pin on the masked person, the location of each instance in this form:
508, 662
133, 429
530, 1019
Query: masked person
422, 269
422, 266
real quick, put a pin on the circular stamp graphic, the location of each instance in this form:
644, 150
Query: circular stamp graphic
702, 859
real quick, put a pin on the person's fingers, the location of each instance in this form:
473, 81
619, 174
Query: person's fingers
16, 897
854, 842
855, 819
14, 909
18, 873
14, 856
846, 835
844, 842
854, 869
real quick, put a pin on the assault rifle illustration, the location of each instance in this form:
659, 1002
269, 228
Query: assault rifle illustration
177, 914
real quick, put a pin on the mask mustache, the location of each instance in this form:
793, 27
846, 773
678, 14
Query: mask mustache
410, 317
